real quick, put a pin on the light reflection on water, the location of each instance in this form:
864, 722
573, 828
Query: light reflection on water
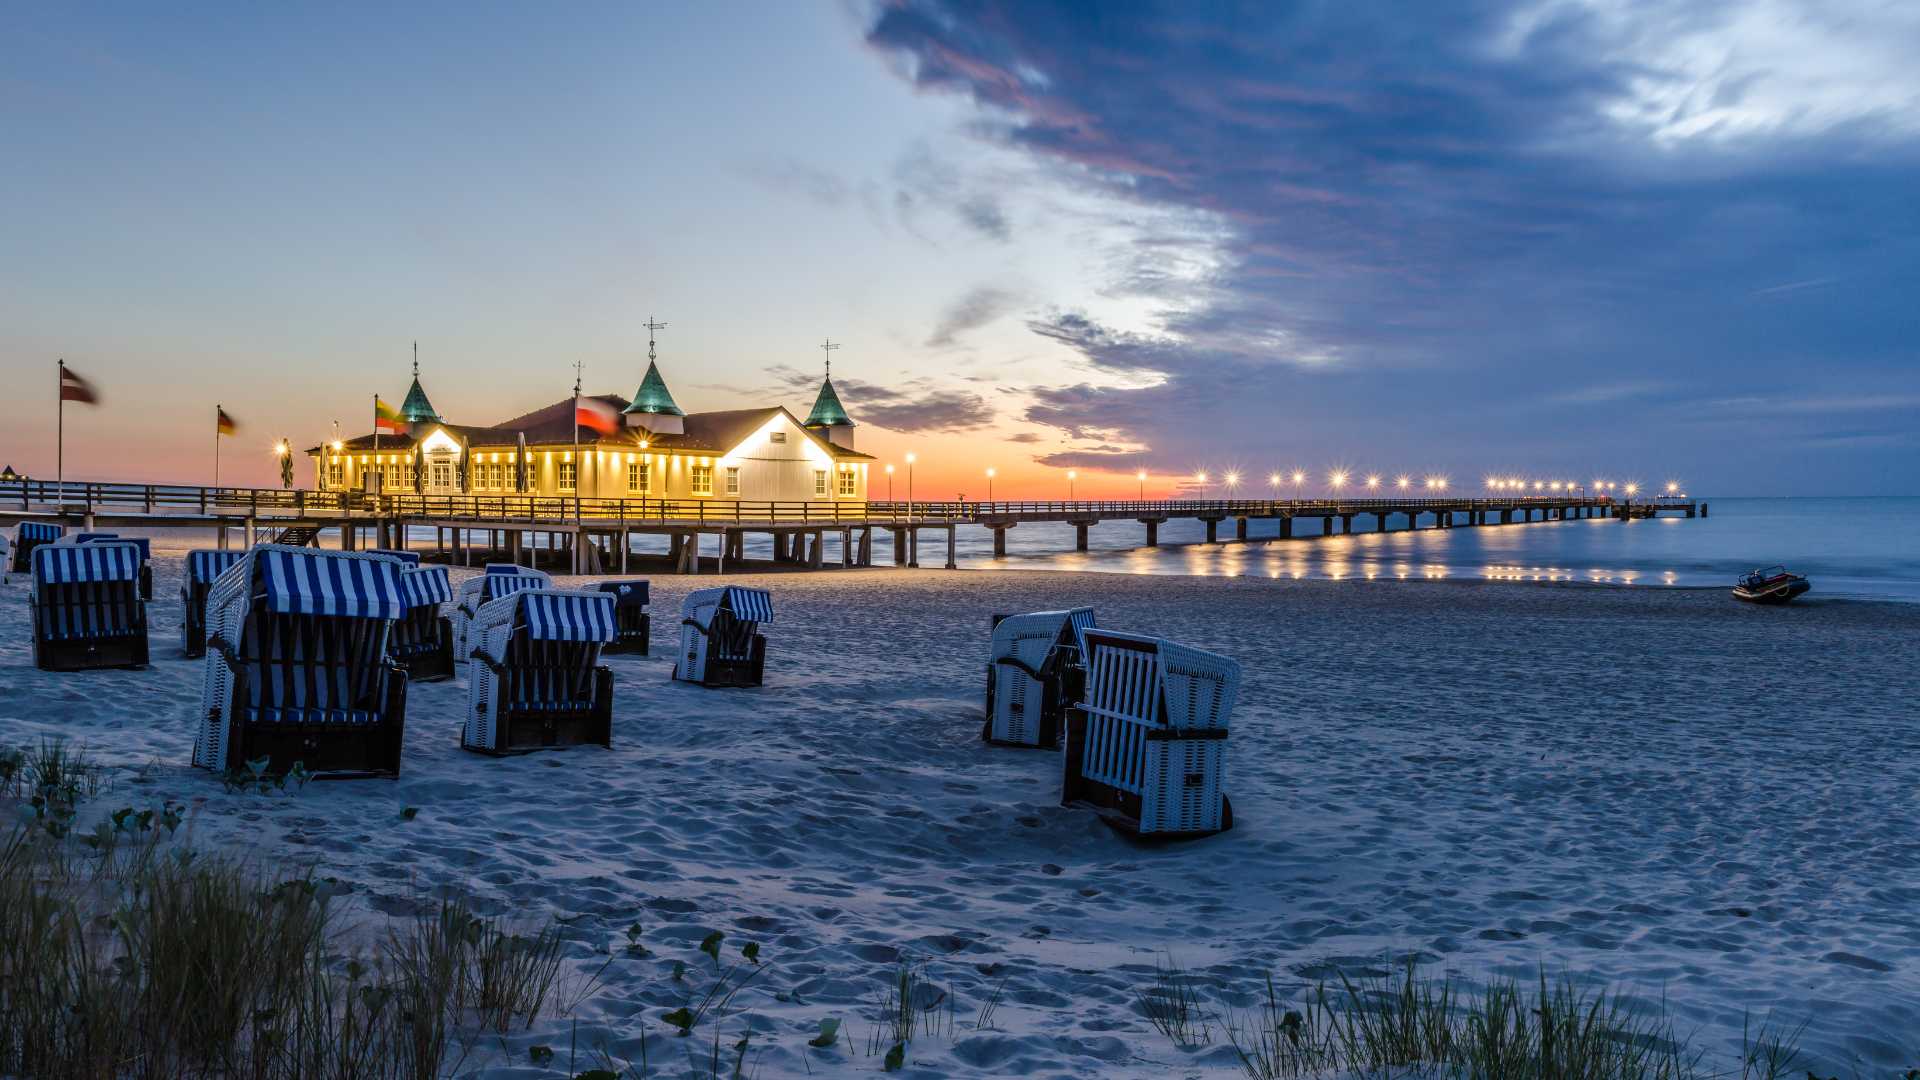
1849, 547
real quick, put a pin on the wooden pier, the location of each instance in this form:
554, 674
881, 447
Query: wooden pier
597, 535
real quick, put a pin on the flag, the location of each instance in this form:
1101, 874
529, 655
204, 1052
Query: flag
75, 388
222, 423
387, 418
596, 414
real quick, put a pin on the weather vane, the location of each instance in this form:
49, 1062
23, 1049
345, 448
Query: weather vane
416, 359
651, 327
828, 349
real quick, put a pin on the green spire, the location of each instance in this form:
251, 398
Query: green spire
827, 411
417, 409
652, 397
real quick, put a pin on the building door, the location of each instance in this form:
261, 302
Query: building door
440, 476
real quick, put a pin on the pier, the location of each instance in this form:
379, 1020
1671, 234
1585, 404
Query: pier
598, 535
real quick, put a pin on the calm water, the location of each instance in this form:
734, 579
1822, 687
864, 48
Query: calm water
1848, 547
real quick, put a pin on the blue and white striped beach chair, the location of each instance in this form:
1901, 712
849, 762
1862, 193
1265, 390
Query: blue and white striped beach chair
501, 579
408, 558
536, 681
422, 640
1147, 749
632, 626
146, 553
720, 642
1034, 675
87, 610
29, 535
204, 567
297, 668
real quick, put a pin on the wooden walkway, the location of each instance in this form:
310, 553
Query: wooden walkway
597, 534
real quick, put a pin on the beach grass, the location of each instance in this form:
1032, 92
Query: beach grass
1551, 1029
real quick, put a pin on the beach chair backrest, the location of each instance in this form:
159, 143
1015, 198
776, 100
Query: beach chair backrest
497, 586
626, 594
204, 566
425, 586
37, 531
552, 645
747, 605
314, 638
410, 558
508, 568
309, 581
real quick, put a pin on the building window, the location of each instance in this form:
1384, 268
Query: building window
820, 482
846, 482
336, 474
733, 480
442, 473
702, 478
639, 477
567, 476
778, 436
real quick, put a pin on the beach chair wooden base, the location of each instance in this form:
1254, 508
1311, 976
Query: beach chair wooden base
722, 673
631, 636
127, 651
327, 751
1119, 808
523, 732
193, 621
429, 664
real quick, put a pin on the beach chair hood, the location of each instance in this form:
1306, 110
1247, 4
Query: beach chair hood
37, 530
410, 558
61, 564
308, 581
207, 566
747, 605
424, 585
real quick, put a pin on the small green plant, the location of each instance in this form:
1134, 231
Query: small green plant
1171, 1003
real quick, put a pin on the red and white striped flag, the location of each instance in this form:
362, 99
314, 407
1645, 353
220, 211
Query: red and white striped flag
599, 415
75, 388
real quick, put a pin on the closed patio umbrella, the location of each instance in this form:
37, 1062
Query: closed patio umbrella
520, 462
466, 464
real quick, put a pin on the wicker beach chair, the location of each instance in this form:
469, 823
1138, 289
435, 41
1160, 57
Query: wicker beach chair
422, 641
297, 668
204, 567
536, 682
29, 535
87, 609
501, 579
632, 626
1034, 674
719, 640
1147, 749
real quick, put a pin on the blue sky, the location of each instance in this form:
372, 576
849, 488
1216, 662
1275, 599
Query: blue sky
1552, 239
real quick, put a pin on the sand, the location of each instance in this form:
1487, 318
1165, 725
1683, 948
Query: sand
1663, 791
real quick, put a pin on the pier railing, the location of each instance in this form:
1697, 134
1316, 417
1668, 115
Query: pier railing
174, 500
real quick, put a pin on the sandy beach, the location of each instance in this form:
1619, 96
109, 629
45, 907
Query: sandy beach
1664, 791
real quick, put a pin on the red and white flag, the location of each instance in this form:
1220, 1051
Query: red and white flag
75, 388
599, 415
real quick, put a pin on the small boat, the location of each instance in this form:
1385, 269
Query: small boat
1772, 585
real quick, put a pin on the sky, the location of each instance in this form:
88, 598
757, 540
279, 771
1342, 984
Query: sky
1573, 239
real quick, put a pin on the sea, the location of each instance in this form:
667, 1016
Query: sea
1848, 547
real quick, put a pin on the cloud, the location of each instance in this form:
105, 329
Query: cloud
980, 306
915, 406
1442, 212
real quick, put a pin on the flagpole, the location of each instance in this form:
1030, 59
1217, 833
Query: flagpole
576, 466
216, 446
60, 436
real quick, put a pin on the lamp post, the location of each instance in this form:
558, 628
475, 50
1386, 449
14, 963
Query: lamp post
1373, 483
1201, 478
989, 483
1071, 476
909, 486
1142, 477
1233, 481
1337, 479
1299, 479
889, 483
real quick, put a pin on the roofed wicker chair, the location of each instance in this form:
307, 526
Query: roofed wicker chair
1147, 749
422, 640
29, 535
501, 579
536, 681
409, 558
297, 668
720, 642
87, 608
632, 626
1034, 674
204, 567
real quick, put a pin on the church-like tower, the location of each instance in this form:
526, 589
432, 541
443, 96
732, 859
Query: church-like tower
417, 409
829, 418
653, 407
